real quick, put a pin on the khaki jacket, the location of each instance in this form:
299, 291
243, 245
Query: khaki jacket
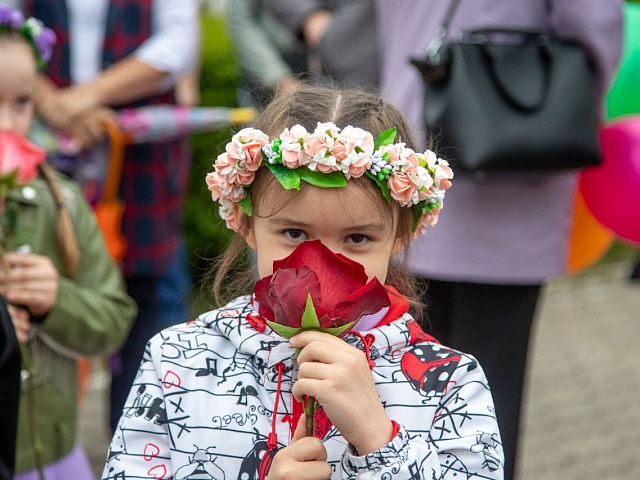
92, 316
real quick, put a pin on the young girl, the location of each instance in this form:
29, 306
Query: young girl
65, 294
216, 398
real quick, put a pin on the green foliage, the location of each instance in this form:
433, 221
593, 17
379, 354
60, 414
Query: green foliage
205, 232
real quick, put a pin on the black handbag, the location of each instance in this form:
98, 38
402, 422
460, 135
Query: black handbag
510, 100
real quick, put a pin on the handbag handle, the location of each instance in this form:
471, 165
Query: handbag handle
481, 37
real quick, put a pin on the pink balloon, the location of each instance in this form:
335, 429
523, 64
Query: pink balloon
612, 189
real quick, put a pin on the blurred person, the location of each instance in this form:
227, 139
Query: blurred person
340, 37
129, 53
65, 294
269, 55
504, 235
9, 392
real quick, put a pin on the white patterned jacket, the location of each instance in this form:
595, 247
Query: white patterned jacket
202, 403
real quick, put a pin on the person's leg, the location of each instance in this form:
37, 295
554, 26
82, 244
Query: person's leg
126, 362
493, 323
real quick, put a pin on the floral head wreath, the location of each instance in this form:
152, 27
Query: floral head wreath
328, 157
40, 37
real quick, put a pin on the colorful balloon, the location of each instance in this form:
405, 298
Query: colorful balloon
612, 190
589, 239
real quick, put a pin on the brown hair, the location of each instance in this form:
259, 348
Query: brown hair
306, 106
66, 239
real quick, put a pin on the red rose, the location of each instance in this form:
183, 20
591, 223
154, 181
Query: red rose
19, 160
336, 286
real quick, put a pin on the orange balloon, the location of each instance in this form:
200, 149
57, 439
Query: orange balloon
589, 239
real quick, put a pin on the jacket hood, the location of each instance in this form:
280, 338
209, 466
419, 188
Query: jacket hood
250, 335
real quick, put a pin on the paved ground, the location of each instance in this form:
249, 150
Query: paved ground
582, 411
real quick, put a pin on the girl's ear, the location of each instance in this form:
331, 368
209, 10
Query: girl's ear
247, 232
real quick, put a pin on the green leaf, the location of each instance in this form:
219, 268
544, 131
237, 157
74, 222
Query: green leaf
245, 204
309, 317
417, 215
384, 186
384, 138
289, 179
319, 179
337, 331
282, 330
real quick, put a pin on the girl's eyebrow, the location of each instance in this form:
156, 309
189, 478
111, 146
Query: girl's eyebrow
361, 227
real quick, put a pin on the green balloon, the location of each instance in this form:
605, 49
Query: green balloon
624, 96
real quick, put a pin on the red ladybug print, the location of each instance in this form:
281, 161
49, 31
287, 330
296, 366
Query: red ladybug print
429, 367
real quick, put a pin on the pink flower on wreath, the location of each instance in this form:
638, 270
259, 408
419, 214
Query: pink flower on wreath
319, 146
231, 171
428, 219
214, 182
246, 148
443, 175
229, 213
292, 148
352, 150
402, 187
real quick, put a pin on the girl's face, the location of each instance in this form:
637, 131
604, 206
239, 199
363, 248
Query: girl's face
347, 221
17, 83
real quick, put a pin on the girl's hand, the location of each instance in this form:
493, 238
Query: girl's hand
32, 282
338, 376
21, 323
305, 457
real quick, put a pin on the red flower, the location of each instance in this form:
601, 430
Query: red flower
336, 286
19, 160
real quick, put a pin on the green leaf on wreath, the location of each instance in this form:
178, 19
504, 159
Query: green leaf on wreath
384, 138
283, 330
289, 179
384, 186
417, 215
309, 317
245, 204
319, 179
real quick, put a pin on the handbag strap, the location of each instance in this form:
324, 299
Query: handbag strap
434, 48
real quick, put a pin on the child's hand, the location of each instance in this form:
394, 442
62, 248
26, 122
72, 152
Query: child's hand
33, 282
21, 323
305, 457
338, 376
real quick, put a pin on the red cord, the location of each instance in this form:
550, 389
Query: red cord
272, 439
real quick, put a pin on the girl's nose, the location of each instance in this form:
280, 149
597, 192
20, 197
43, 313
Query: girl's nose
6, 120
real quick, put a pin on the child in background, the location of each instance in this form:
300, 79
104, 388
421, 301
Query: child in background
65, 294
216, 398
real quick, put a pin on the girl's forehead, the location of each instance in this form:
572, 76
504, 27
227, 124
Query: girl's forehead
350, 204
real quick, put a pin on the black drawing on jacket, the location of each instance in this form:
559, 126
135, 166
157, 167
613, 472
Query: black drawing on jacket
201, 466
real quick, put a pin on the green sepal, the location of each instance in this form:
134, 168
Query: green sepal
282, 330
384, 138
417, 215
337, 331
309, 317
382, 183
319, 179
245, 204
289, 179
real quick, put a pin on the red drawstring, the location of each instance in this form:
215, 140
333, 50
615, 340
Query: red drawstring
367, 341
256, 322
272, 439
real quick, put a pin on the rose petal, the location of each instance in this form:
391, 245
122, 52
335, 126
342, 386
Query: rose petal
367, 300
337, 273
289, 291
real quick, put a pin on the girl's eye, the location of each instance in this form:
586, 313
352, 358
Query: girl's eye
23, 101
294, 234
357, 239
